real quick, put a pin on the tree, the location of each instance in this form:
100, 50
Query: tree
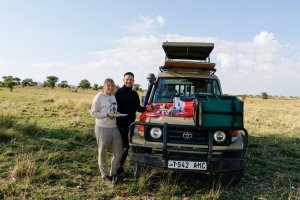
10, 82
136, 87
84, 84
28, 82
264, 95
95, 87
63, 84
17, 81
51, 81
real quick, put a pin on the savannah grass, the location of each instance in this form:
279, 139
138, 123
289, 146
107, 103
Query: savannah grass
48, 151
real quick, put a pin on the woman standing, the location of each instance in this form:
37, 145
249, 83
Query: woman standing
104, 108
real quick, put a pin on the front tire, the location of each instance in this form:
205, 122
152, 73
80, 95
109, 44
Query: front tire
137, 169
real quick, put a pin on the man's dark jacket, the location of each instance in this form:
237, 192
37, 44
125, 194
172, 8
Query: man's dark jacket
128, 103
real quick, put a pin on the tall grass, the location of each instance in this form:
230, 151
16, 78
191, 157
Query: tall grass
24, 169
9, 133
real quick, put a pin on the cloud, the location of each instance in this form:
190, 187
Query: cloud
264, 38
262, 65
243, 67
145, 24
143, 41
226, 60
160, 19
141, 55
51, 65
251, 67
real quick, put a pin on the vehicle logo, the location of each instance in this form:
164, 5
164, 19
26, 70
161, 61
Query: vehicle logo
187, 135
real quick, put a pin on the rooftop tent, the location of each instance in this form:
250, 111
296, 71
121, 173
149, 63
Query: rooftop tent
187, 50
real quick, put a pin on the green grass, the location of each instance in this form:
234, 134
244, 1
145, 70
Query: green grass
48, 151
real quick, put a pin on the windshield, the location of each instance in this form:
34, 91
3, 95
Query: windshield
168, 88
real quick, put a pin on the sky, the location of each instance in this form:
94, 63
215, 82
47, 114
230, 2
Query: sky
257, 43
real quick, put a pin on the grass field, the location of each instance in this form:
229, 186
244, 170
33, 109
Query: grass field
48, 151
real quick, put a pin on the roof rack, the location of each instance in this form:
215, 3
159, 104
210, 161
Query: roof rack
188, 66
172, 68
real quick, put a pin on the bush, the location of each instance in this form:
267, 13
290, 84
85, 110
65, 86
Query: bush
243, 97
264, 95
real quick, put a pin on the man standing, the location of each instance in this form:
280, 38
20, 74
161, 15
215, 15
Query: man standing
128, 103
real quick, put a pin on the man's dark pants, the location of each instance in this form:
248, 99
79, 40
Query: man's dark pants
124, 130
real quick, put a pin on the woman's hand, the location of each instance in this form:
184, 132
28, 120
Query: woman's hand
111, 115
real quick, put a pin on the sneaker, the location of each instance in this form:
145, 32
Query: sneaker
120, 171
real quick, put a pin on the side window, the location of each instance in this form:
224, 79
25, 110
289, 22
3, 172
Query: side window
210, 88
215, 88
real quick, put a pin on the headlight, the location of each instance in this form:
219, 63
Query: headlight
155, 132
219, 136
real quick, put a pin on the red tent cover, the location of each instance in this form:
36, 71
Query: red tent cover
176, 109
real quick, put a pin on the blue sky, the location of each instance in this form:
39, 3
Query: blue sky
257, 43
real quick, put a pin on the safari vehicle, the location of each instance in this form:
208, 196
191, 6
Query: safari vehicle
189, 124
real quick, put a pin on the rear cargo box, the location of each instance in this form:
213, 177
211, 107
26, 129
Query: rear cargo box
226, 111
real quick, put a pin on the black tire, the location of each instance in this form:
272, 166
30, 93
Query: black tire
228, 178
137, 169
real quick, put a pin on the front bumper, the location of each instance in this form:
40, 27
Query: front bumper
217, 159
213, 165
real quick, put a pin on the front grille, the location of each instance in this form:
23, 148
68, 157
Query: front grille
176, 135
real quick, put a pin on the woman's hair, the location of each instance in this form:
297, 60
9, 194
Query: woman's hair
106, 82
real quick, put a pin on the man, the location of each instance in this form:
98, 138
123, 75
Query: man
128, 103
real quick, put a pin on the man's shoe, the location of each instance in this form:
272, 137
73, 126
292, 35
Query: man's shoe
120, 171
115, 179
107, 179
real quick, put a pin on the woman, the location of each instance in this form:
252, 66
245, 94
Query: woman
104, 108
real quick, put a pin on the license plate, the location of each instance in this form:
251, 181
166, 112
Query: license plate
174, 164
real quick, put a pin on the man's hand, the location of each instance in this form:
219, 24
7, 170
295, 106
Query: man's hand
149, 107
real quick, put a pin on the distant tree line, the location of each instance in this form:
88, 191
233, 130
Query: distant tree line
10, 82
52, 82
